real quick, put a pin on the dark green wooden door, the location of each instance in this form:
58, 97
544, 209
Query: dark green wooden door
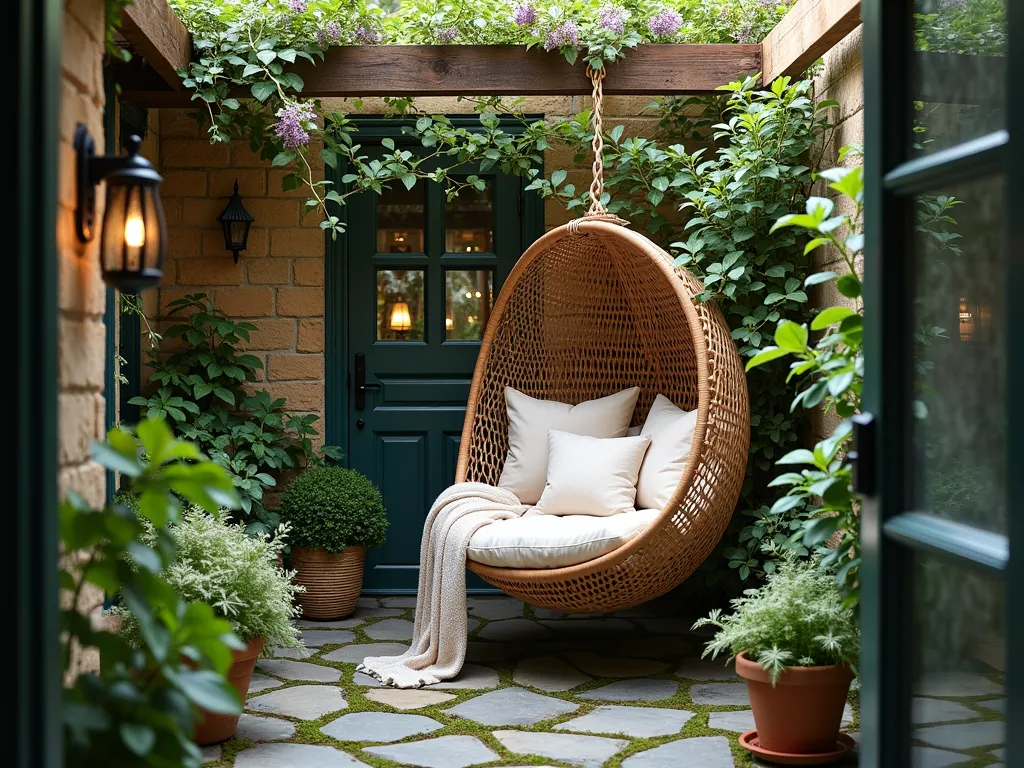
422, 275
941, 466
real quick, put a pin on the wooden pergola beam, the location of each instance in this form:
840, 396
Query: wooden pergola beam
159, 37
503, 70
805, 34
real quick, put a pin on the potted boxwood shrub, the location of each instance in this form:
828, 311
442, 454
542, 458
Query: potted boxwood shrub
237, 575
334, 514
797, 646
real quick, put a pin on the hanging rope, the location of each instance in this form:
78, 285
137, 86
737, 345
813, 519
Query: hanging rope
597, 209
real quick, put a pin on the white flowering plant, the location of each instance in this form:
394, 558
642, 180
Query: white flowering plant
237, 574
796, 618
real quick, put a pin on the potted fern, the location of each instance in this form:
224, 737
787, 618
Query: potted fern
237, 575
334, 514
796, 644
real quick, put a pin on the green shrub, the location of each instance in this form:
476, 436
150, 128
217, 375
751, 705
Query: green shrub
234, 573
796, 618
331, 508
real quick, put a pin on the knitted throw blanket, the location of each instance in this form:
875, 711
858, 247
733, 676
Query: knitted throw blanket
438, 647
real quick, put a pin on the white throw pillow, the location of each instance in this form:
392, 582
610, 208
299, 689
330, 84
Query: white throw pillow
529, 419
546, 541
670, 429
591, 475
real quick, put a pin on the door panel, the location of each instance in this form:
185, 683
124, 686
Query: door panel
422, 273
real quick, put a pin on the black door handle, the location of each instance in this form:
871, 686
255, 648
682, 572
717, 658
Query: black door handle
361, 385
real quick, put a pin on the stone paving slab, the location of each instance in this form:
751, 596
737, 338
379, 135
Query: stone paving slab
367, 602
495, 608
637, 722
586, 751
512, 706
314, 638
698, 752
662, 626
515, 630
210, 753
487, 651
939, 711
442, 752
379, 726
365, 680
548, 674
305, 702
956, 684
658, 647
473, 677
738, 721
292, 653
614, 666
996, 705
594, 627
305, 755
927, 757
299, 670
964, 735
408, 698
706, 669
354, 654
633, 690
401, 601
719, 694
261, 683
390, 629
349, 623
256, 728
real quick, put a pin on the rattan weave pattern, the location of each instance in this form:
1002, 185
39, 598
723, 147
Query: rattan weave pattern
590, 309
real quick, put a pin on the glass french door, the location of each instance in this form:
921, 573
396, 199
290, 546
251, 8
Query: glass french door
940, 465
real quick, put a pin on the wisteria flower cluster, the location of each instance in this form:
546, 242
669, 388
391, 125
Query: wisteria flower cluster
294, 124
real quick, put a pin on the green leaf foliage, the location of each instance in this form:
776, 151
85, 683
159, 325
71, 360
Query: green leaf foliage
331, 508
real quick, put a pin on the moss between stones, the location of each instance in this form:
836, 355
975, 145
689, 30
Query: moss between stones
308, 731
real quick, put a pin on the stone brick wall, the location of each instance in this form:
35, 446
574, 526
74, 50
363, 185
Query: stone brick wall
278, 283
841, 79
82, 294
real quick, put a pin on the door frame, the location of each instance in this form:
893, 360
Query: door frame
337, 360
38, 728
891, 533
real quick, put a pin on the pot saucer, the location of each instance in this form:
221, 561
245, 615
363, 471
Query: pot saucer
844, 745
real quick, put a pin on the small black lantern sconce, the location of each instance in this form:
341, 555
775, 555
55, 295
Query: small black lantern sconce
236, 222
134, 238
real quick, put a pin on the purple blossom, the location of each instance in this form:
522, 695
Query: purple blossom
524, 14
768, 3
293, 125
566, 33
297, 6
953, 5
612, 18
746, 34
330, 33
445, 34
367, 35
665, 24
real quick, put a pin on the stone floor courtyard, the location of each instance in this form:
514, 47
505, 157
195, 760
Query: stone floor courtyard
542, 688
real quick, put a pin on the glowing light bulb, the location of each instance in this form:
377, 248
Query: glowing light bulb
469, 295
478, 294
134, 231
449, 323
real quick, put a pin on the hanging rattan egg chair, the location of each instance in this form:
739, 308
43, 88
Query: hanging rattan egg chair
590, 309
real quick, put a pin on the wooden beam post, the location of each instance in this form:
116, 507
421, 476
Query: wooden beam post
805, 34
159, 37
502, 70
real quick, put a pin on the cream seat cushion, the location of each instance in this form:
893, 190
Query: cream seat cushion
591, 475
551, 541
529, 419
670, 430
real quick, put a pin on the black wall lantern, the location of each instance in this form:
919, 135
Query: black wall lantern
134, 236
236, 222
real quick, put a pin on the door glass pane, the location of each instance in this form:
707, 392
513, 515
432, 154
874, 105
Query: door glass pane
469, 220
400, 299
959, 71
958, 462
469, 295
959, 702
400, 216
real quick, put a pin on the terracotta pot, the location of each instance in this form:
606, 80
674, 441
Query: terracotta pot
802, 713
333, 581
213, 728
